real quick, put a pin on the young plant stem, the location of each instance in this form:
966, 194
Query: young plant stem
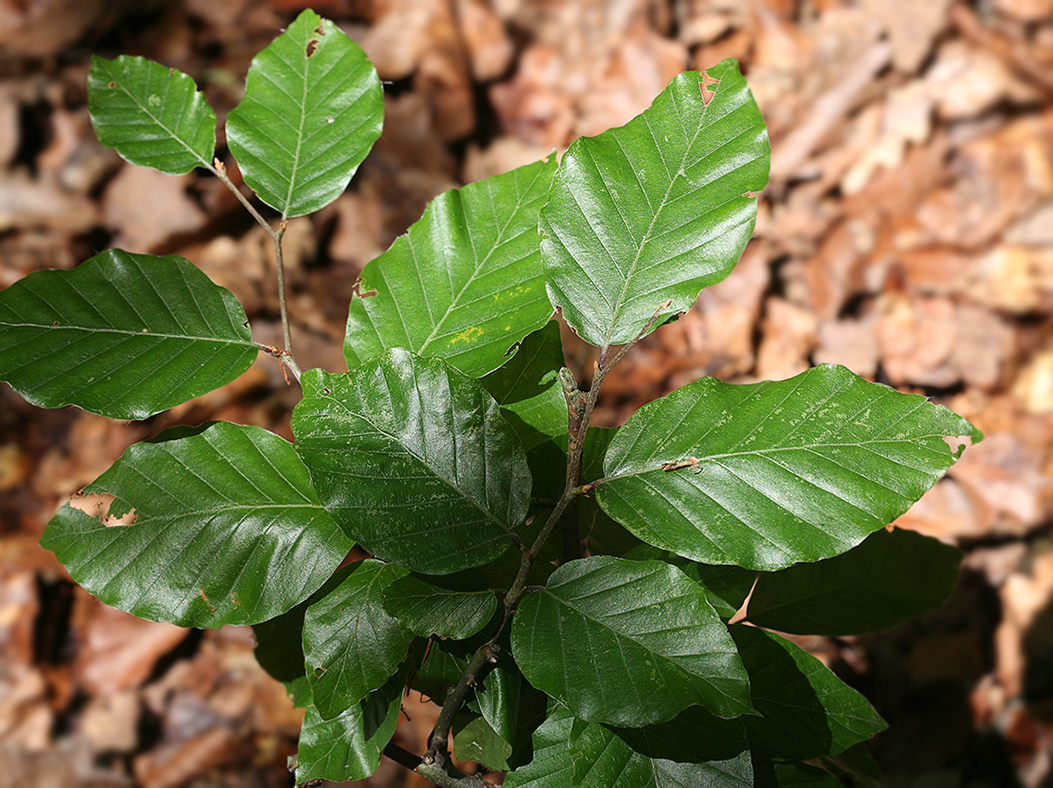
286, 356
580, 407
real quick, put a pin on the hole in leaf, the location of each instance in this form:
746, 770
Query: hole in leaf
320, 30
319, 671
356, 290
113, 84
752, 195
97, 505
312, 46
707, 94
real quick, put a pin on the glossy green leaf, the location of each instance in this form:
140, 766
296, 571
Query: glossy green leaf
528, 390
551, 766
348, 746
726, 586
152, 115
603, 760
693, 736
475, 740
499, 696
426, 608
122, 335
890, 577
465, 283
351, 645
571, 752
768, 474
657, 209
313, 108
413, 458
279, 645
227, 530
806, 711
627, 643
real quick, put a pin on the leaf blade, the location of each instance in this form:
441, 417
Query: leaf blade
776, 472
806, 711
633, 221
464, 283
351, 645
348, 746
413, 457
61, 330
426, 609
228, 530
625, 664
150, 114
313, 108
888, 578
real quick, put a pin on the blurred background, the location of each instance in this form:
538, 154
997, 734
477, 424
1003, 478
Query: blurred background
907, 233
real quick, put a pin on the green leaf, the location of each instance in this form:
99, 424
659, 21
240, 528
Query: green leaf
150, 114
806, 710
551, 766
528, 390
890, 577
313, 108
498, 698
227, 530
351, 645
426, 608
568, 751
769, 774
414, 459
465, 283
726, 587
122, 335
657, 209
693, 736
769, 474
348, 746
603, 760
475, 740
627, 643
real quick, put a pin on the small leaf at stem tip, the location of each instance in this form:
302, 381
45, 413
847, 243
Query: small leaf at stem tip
152, 115
313, 108
655, 209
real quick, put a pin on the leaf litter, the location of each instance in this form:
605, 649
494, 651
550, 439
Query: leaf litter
905, 233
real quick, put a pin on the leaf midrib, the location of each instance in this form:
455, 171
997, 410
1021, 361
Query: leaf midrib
201, 160
129, 332
681, 172
488, 515
475, 273
764, 452
671, 660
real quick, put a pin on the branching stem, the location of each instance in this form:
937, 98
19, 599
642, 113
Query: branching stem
580, 407
286, 357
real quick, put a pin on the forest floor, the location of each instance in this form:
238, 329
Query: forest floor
907, 233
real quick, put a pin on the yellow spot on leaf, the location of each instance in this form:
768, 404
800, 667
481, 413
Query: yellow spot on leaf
468, 335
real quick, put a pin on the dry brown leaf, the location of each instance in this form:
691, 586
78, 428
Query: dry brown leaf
789, 334
144, 207
852, 343
118, 651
